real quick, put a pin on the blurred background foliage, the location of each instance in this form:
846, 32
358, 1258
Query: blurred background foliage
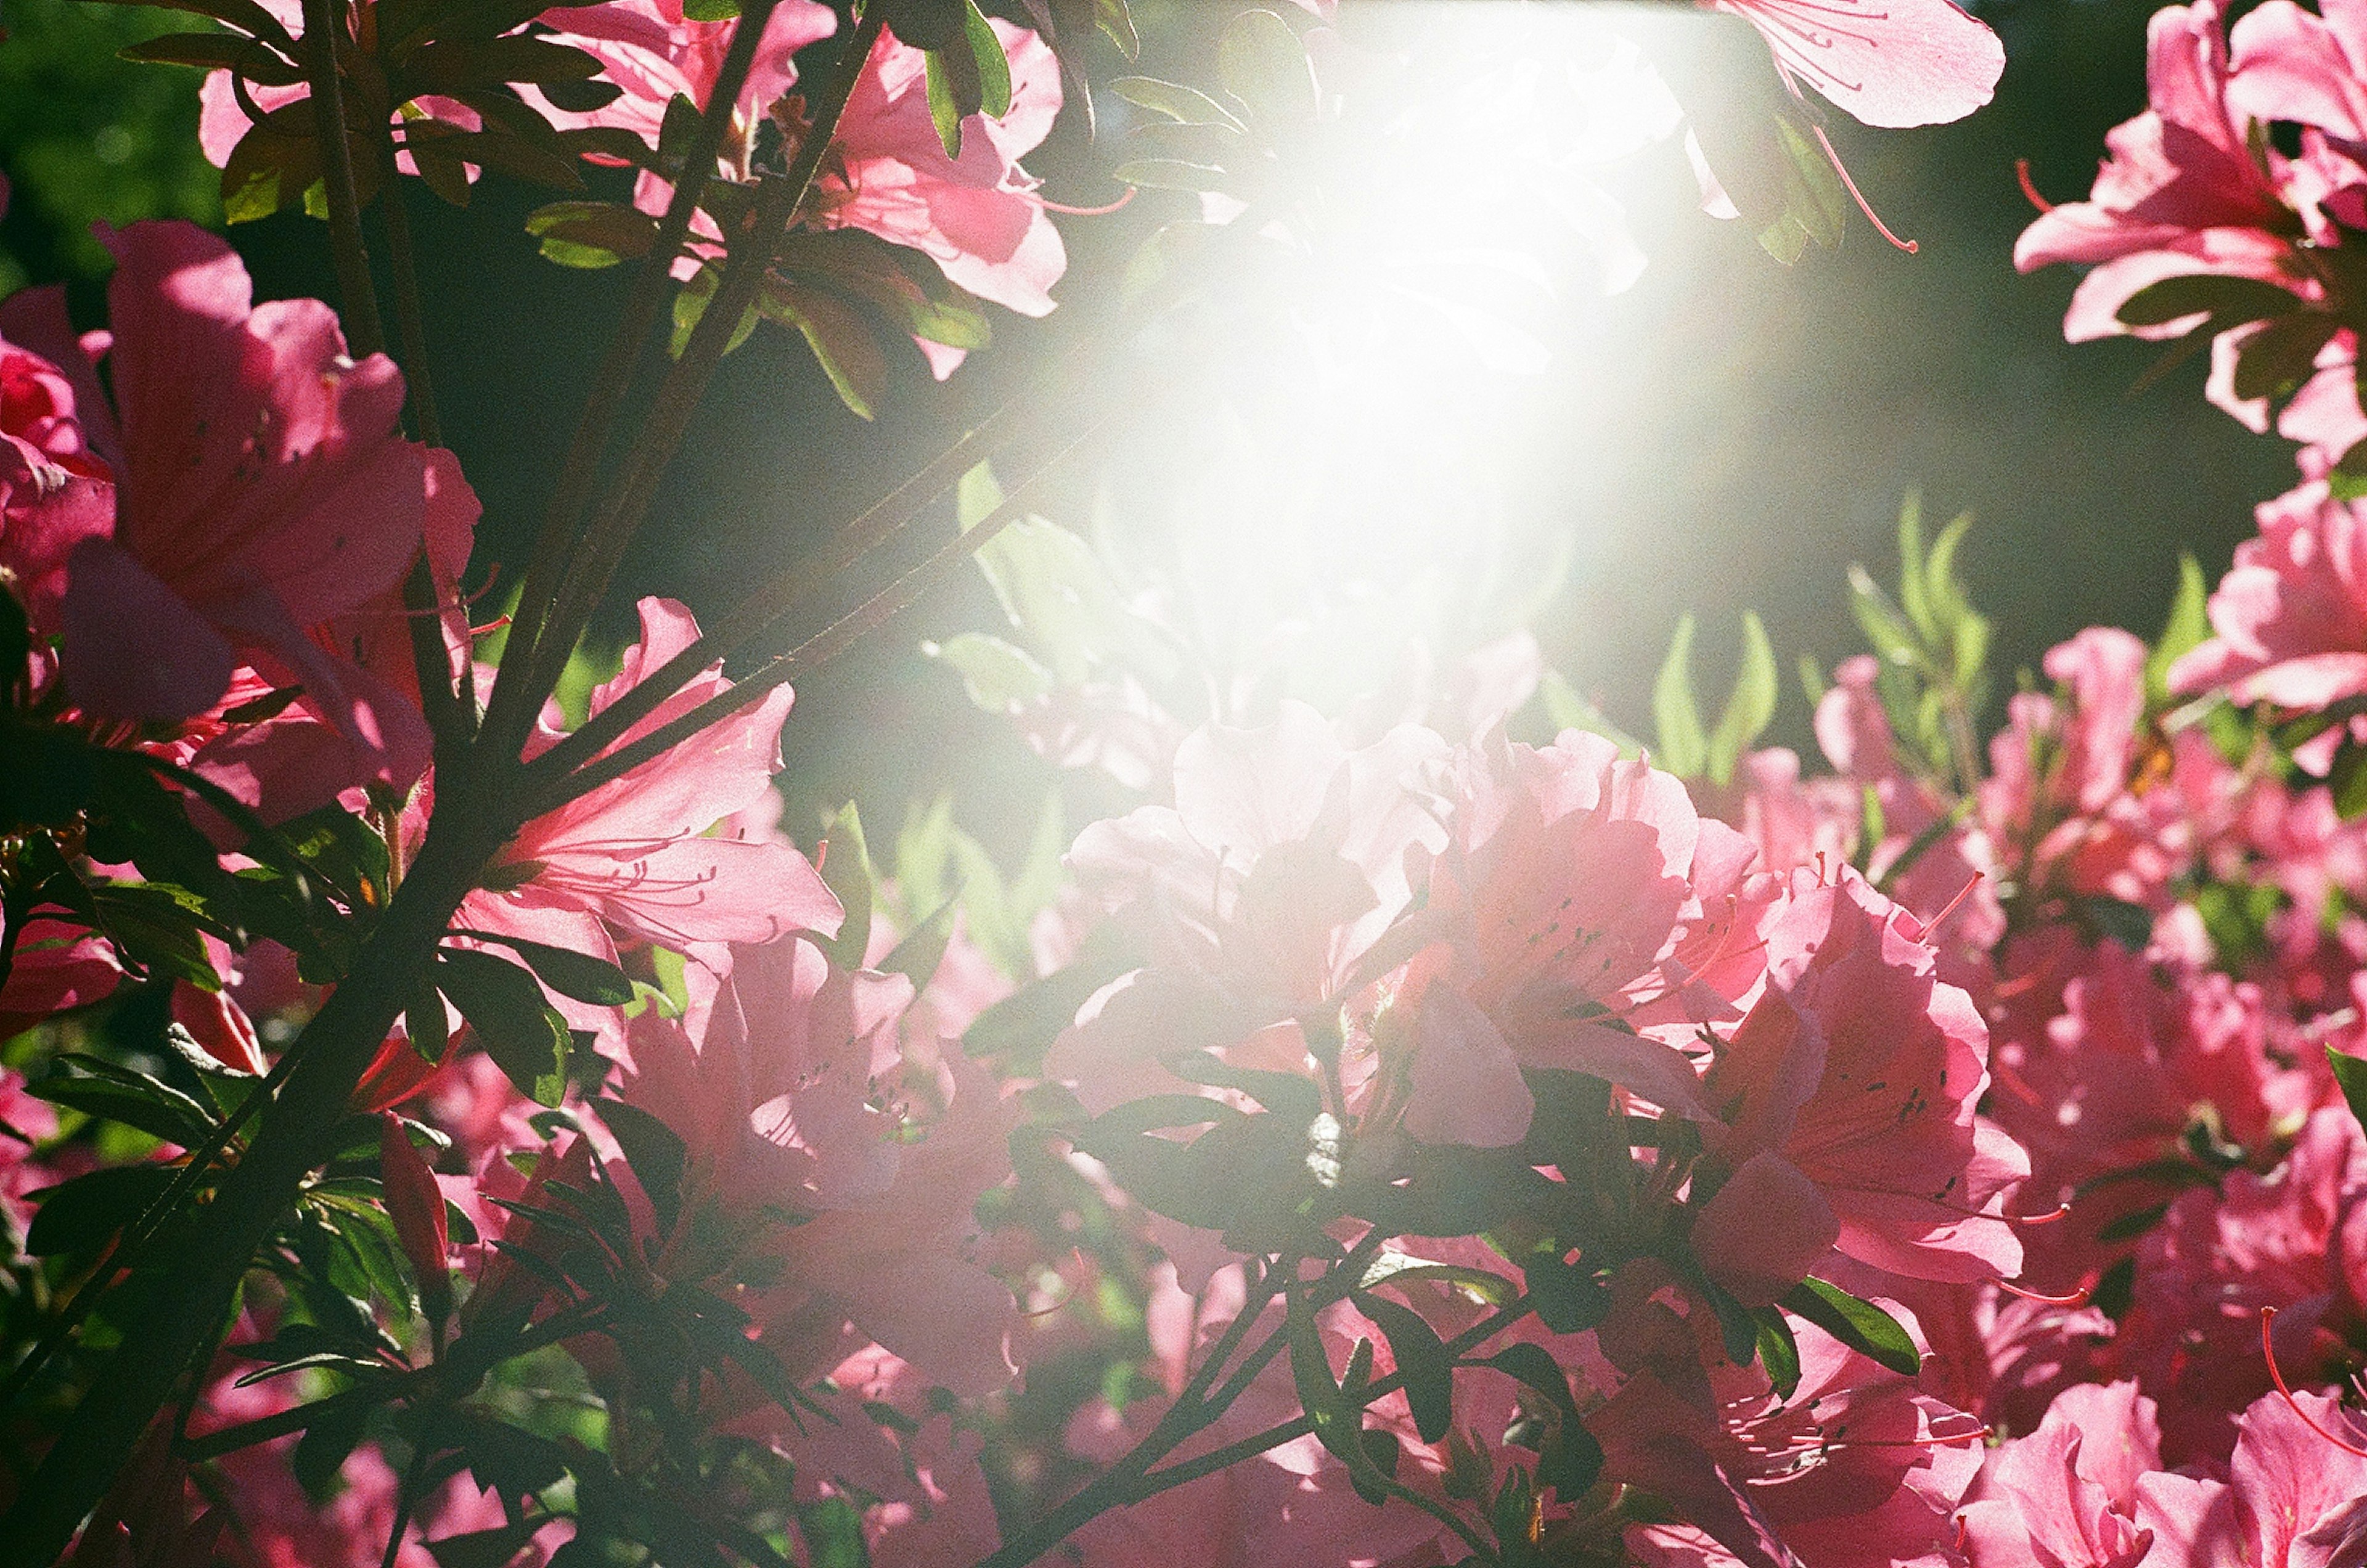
1727, 436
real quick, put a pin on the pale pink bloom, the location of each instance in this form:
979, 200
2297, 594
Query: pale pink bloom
2066, 1495
2290, 618
1593, 917
977, 215
2184, 193
1848, 1096
1888, 63
1260, 896
628, 859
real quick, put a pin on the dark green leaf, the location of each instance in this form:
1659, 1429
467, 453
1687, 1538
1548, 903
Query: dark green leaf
116, 1093
326, 1445
2351, 1076
1860, 1325
77, 1215
2275, 361
1422, 1358
570, 974
524, 1035
1779, 1352
657, 1155
2230, 302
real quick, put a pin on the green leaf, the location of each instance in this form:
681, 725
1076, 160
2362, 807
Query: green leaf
1185, 105
993, 67
2189, 628
1261, 63
526, 1037
103, 1088
710, 10
2347, 480
1912, 594
1860, 1325
2351, 1076
2275, 361
944, 106
1676, 717
1000, 677
77, 1215
848, 872
1422, 1358
1569, 709
2230, 302
1749, 707
426, 1023
657, 1155
579, 976
1779, 1351
592, 233
921, 949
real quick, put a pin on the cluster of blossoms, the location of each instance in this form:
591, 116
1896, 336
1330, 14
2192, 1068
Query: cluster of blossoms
1391, 1141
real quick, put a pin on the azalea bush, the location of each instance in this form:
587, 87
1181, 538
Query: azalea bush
454, 1114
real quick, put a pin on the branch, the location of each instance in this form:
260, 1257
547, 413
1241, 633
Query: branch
585, 571
364, 333
876, 612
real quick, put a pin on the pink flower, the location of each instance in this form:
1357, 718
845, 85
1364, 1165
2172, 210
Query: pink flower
777, 1087
976, 215
1894, 64
2063, 799
2066, 1495
2291, 1499
1592, 916
1260, 896
629, 859
1848, 1095
2291, 614
2286, 1240
264, 491
2184, 193
1858, 1466
653, 53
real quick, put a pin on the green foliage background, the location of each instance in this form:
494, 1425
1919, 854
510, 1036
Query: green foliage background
88, 136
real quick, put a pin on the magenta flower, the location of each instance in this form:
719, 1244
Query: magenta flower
1888, 63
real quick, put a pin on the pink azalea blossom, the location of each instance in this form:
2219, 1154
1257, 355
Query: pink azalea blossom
255, 507
2066, 1495
2184, 194
628, 859
2290, 1497
2290, 618
1919, 62
976, 215
2284, 1240
1858, 1466
2063, 798
1848, 1096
